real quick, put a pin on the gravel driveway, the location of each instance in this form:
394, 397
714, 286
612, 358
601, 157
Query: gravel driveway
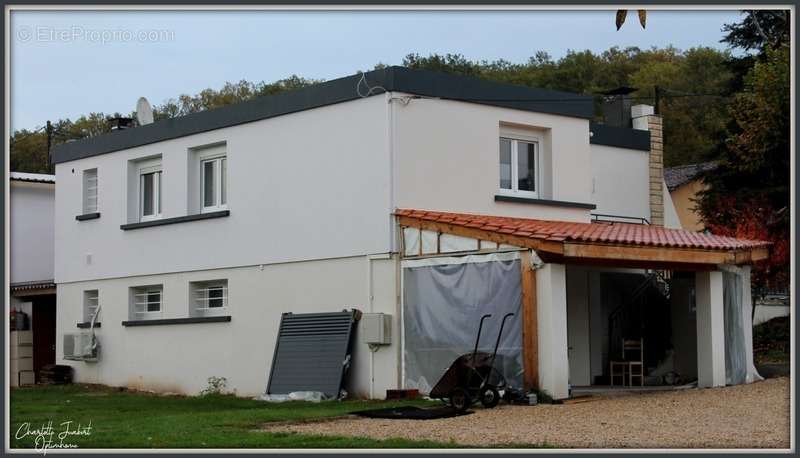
745, 416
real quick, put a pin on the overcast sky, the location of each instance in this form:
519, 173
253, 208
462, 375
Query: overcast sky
64, 64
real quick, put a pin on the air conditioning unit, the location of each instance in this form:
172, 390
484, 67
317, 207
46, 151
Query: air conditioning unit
81, 347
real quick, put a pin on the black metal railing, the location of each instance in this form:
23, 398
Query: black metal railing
604, 218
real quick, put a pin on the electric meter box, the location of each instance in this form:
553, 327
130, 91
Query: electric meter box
376, 329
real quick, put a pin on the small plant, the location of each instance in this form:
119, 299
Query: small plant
216, 386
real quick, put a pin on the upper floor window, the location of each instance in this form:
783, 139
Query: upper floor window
519, 167
90, 191
213, 176
150, 192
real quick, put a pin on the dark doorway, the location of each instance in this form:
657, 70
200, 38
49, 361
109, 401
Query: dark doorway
44, 332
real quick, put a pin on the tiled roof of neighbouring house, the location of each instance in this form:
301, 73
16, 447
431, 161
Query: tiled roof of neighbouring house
597, 232
675, 177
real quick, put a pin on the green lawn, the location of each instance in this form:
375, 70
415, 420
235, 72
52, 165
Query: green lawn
122, 419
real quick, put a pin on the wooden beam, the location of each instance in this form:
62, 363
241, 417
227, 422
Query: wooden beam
752, 255
622, 263
480, 234
530, 324
640, 253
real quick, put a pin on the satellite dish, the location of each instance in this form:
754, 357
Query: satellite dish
144, 112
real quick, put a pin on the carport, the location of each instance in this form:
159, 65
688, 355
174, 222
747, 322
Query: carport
719, 266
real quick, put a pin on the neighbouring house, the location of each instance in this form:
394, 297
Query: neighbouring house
33, 290
427, 197
684, 183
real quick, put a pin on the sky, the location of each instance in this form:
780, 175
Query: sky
65, 64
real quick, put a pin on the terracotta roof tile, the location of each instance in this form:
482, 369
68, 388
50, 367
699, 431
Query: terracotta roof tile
599, 232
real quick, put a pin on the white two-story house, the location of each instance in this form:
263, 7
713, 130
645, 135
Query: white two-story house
428, 197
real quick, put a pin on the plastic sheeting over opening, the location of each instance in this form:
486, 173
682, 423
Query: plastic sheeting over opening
443, 301
739, 367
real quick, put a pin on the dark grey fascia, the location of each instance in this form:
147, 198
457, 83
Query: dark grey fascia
621, 137
396, 79
168, 321
176, 220
87, 216
548, 202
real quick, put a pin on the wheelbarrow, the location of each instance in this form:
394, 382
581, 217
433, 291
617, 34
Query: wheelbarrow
472, 376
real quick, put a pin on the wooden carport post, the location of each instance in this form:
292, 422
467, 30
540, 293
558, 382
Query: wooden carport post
530, 324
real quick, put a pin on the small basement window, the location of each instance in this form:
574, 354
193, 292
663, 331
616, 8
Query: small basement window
146, 302
209, 298
90, 191
91, 301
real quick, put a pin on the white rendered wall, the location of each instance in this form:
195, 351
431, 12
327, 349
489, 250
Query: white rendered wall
710, 329
447, 156
671, 219
31, 214
551, 304
180, 358
765, 313
621, 181
309, 185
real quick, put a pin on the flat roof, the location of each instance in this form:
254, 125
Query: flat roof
419, 82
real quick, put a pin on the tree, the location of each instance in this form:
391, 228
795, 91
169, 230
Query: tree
749, 192
760, 29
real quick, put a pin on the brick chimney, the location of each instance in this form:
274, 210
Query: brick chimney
644, 118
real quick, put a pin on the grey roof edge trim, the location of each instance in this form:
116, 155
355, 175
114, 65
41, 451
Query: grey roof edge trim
398, 79
621, 137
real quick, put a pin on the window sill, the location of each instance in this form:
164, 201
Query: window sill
87, 325
164, 321
552, 203
88, 216
178, 219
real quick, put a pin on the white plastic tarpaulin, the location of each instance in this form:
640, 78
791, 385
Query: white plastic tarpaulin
443, 301
738, 307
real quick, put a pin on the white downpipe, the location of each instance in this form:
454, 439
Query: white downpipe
370, 309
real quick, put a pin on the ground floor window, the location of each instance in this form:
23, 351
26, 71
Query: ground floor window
147, 302
209, 298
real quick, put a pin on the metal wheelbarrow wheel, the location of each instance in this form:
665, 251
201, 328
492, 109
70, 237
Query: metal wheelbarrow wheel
490, 397
460, 399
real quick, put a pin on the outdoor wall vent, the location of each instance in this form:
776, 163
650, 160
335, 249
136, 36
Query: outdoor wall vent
376, 329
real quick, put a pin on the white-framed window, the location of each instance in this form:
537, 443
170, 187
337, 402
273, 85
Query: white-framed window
90, 191
91, 301
209, 298
150, 192
519, 167
147, 302
213, 183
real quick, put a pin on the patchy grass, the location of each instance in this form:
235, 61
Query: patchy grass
125, 419
771, 341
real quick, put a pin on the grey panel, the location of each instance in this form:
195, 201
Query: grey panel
622, 137
311, 351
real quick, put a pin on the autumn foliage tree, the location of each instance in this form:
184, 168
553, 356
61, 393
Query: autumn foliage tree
748, 196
